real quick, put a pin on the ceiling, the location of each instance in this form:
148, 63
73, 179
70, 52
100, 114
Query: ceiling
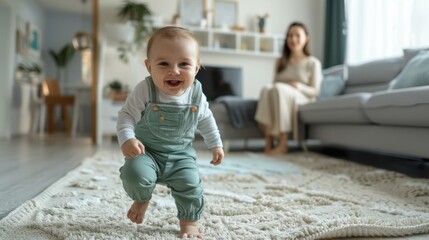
77, 6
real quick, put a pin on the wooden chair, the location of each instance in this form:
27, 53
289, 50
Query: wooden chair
52, 97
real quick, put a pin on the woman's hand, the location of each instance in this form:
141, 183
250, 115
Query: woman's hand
218, 155
132, 148
294, 84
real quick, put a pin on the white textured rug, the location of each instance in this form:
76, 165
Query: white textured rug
250, 196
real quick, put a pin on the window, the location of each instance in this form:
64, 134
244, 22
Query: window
87, 67
383, 28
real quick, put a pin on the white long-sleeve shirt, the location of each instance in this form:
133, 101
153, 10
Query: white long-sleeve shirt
135, 104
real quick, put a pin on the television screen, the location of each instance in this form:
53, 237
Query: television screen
220, 81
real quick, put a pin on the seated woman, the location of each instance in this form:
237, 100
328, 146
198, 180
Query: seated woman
297, 81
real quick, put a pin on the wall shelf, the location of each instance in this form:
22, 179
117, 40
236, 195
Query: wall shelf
233, 42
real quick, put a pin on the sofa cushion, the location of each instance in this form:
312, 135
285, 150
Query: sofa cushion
241, 112
403, 107
342, 109
226, 128
415, 73
378, 71
332, 85
369, 88
409, 53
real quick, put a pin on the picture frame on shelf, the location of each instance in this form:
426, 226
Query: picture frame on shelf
192, 12
226, 14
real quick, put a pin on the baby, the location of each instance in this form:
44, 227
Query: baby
157, 125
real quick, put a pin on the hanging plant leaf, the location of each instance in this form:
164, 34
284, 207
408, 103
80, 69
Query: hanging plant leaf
138, 13
134, 11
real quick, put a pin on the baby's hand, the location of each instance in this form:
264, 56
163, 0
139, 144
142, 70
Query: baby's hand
218, 155
132, 148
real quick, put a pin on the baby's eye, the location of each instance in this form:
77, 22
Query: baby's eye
183, 64
163, 63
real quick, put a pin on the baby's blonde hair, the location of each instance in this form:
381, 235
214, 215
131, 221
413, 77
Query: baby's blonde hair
172, 32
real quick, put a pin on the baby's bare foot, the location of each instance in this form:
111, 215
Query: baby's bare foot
189, 230
137, 211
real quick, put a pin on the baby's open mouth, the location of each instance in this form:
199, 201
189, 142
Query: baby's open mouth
173, 83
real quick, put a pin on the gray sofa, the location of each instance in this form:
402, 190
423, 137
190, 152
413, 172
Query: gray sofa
370, 116
361, 114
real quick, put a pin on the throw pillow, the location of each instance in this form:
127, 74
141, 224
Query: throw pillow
331, 86
414, 74
409, 53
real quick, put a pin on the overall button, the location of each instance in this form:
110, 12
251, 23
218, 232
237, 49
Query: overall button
161, 118
155, 108
194, 109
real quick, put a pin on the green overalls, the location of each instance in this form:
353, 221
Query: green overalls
167, 131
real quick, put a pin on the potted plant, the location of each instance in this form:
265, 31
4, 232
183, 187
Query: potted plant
117, 92
62, 58
28, 72
138, 15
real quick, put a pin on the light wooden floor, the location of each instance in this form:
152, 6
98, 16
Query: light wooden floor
28, 165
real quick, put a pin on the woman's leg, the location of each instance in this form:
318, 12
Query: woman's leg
284, 99
269, 140
264, 116
282, 145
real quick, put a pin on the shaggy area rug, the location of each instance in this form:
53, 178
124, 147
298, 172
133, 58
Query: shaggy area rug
249, 196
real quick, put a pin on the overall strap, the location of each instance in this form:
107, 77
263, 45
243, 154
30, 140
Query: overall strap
198, 91
153, 91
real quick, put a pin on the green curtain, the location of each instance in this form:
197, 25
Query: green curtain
335, 33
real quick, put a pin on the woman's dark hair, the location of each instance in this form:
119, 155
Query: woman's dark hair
284, 59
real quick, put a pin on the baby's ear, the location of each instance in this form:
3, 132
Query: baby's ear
147, 63
197, 68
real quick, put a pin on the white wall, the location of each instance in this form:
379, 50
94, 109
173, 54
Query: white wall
257, 71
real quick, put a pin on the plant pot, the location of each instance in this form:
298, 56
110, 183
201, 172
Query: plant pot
118, 95
119, 32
